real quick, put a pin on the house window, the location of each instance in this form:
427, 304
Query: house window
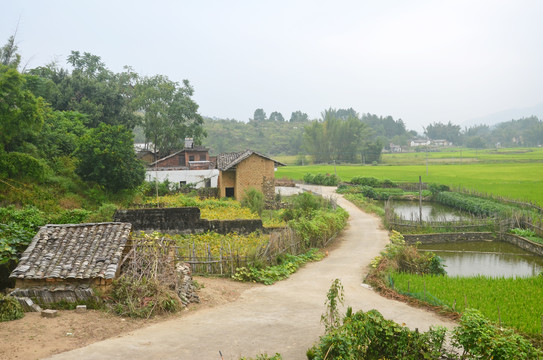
229, 192
181, 161
203, 157
182, 183
191, 158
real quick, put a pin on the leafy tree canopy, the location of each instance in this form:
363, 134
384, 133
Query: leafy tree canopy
21, 113
449, 132
276, 116
169, 113
106, 156
90, 88
298, 116
259, 115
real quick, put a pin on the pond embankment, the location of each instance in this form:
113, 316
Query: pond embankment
521, 242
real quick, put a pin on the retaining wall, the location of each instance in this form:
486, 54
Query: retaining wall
521, 242
185, 220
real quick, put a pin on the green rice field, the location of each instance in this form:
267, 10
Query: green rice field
516, 180
518, 299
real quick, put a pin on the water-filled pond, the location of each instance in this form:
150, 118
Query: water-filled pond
489, 258
409, 210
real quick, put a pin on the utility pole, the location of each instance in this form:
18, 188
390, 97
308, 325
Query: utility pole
426, 160
420, 199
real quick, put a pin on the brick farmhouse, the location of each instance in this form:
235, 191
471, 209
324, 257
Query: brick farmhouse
240, 171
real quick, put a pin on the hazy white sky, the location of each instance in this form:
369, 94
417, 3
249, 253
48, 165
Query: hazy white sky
422, 61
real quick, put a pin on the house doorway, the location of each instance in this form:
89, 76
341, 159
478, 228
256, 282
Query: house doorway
229, 192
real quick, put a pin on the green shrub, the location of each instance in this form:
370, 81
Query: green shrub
437, 188
322, 179
367, 335
72, 216
365, 181
387, 183
23, 166
29, 218
13, 240
271, 274
104, 214
369, 192
254, 200
522, 232
10, 309
166, 187
482, 340
320, 226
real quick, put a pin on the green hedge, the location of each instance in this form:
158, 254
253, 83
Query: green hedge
322, 179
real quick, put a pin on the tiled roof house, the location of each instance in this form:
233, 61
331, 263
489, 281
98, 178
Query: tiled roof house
69, 256
240, 171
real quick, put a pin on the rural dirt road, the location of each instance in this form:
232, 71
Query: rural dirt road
283, 318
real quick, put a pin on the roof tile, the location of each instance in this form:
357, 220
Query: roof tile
74, 251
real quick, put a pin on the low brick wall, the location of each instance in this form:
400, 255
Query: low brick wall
521, 242
185, 220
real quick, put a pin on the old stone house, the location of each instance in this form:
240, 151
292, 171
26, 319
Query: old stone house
64, 262
240, 171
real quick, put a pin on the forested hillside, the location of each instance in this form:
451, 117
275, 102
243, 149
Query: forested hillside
339, 135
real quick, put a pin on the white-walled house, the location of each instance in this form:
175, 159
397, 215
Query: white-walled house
415, 143
197, 178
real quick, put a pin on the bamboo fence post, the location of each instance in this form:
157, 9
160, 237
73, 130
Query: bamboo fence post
220, 259
231, 260
208, 258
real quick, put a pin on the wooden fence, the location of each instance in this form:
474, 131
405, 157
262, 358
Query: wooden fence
204, 261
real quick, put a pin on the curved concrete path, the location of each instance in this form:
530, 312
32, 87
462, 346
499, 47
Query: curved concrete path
283, 318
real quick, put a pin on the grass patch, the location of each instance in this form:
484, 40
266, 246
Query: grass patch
522, 181
518, 299
368, 205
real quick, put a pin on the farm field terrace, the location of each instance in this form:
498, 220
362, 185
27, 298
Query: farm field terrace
459, 156
521, 181
518, 299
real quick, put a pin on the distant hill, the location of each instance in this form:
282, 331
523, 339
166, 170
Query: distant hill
506, 115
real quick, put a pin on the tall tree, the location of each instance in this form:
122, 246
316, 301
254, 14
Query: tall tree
276, 116
259, 115
169, 113
21, 113
106, 156
298, 116
8, 54
90, 88
339, 139
449, 132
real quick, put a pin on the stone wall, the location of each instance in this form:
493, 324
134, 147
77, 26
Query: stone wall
185, 220
521, 242
449, 237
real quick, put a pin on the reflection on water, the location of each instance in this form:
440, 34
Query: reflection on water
409, 210
487, 258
